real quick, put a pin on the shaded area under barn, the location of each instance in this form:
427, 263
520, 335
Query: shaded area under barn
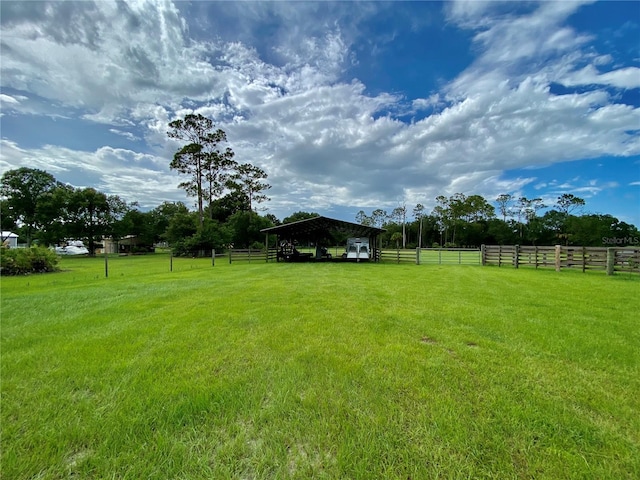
321, 232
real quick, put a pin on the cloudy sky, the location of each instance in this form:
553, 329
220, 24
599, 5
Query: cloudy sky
347, 106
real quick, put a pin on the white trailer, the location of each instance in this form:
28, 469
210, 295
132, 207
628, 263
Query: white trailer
358, 249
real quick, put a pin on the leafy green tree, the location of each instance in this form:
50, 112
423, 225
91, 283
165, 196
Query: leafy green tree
378, 217
161, 217
363, 219
500, 232
297, 216
139, 224
527, 212
555, 228
248, 180
246, 228
600, 230
442, 214
273, 219
201, 158
7, 218
181, 225
222, 208
418, 215
22, 188
396, 238
92, 215
399, 214
567, 203
54, 215
504, 204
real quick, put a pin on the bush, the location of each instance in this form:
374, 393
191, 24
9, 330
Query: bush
257, 246
23, 261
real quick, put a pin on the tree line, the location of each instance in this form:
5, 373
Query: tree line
470, 221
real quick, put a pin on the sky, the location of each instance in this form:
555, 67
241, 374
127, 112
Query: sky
347, 106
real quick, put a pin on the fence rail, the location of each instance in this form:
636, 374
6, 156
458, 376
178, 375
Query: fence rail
246, 255
612, 259
433, 256
609, 259
398, 256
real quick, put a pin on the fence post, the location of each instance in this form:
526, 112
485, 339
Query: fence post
266, 248
557, 259
417, 255
535, 252
516, 256
397, 253
499, 255
106, 263
171, 261
213, 257
483, 252
229, 256
611, 260
584, 259
440, 256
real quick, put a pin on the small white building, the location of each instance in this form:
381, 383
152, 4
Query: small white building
9, 239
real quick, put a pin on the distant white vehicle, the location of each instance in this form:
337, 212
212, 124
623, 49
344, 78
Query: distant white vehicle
74, 247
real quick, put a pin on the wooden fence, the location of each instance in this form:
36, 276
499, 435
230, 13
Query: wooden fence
610, 259
433, 256
246, 255
398, 256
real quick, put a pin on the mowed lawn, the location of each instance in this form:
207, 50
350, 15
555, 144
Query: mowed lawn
336, 371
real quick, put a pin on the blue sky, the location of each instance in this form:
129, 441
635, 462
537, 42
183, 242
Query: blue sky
347, 105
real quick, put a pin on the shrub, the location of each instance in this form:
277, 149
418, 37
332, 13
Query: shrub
22, 261
257, 246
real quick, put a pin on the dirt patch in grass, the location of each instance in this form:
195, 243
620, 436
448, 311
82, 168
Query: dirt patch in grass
428, 340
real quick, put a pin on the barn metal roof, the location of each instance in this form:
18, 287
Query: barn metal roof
316, 226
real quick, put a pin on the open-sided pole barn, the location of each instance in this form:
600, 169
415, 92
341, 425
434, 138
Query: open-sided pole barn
319, 230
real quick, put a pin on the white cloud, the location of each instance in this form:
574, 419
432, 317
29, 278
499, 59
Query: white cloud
8, 99
127, 135
131, 175
628, 77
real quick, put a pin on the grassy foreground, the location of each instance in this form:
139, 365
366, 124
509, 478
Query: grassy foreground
281, 371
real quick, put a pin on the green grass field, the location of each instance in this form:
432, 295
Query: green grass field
335, 371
